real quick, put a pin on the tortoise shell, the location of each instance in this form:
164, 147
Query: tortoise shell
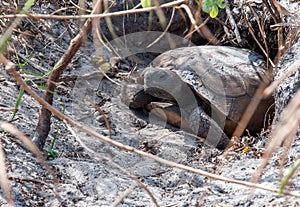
224, 77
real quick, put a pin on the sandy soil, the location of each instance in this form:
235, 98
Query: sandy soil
93, 173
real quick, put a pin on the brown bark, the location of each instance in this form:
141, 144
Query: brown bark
43, 127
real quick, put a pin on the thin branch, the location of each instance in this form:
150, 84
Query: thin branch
263, 35
165, 31
28, 143
7, 109
101, 157
233, 23
285, 131
119, 13
43, 127
4, 181
51, 188
203, 30
119, 145
256, 40
120, 199
288, 72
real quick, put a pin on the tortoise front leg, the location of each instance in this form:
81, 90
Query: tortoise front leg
204, 126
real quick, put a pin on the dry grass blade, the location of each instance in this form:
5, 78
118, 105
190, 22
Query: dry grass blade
4, 182
4, 36
139, 182
203, 30
251, 30
101, 157
262, 32
43, 127
120, 199
288, 72
284, 133
27, 142
7, 109
287, 43
31, 180
165, 30
119, 145
118, 13
232, 22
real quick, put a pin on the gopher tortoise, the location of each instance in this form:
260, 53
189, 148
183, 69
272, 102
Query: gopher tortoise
205, 90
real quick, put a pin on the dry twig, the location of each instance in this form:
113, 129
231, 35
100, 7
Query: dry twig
256, 40
119, 13
202, 29
233, 23
132, 149
101, 157
284, 133
43, 126
288, 72
53, 190
4, 181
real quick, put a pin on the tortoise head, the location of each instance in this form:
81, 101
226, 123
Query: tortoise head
161, 83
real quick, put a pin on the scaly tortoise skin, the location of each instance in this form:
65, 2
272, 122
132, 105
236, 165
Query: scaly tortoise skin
212, 86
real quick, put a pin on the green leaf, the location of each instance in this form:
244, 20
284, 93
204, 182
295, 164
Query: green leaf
211, 7
53, 153
17, 104
206, 9
221, 4
146, 3
206, 5
214, 11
